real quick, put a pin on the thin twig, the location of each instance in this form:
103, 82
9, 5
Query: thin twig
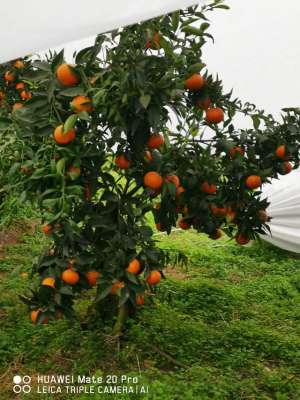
169, 358
138, 363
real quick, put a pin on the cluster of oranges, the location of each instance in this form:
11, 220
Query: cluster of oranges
11, 77
67, 77
71, 277
213, 115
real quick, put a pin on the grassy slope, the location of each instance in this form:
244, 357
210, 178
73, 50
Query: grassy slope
232, 318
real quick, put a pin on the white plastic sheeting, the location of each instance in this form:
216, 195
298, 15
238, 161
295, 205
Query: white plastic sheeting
284, 196
35, 25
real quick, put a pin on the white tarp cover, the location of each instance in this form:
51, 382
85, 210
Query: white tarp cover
34, 25
284, 196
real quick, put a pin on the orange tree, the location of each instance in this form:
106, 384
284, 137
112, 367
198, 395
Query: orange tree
13, 95
123, 133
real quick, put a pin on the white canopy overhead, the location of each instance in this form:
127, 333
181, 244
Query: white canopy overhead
284, 209
34, 25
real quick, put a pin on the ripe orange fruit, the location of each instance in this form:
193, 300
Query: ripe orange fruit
148, 44
203, 104
134, 266
158, 226
20, 86
281, 152
92, 277
74, 170
148, 156
231, 215
24, 169
117, 286
87, 192
140, 300
185, 210
25, 95
47, 229
122, 162
82, 103
236, 150
253, 181
93, 80
208, 188
66, 75
153, 180
155, 140
213, 208
218, 211
194, 82
154, 43
19, 64
59, 315
263, 216
222, 211
48, 282
70, 276
64, 138
287, 167
154, 277
9, 76
34, 316
156, 39
214, 115
173, 179
183, 224
242, 239
180, 190
216, 235
17, 106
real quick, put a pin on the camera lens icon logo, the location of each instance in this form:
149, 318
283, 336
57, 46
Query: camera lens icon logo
21, 384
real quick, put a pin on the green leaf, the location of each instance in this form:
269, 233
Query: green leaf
99, 96
58, 59
132, 278
166, 46
145, 100
204, 26
50, 203
256, 121
191, 30
42, 65
14, 168
74, 91
175, 20
60, 166
223, 6
4, 123
84, 116
66, 290
196, 67
103, 291
70, 122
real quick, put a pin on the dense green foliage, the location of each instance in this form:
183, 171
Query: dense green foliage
72, 126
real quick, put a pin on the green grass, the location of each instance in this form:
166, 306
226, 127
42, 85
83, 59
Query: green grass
227, 326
